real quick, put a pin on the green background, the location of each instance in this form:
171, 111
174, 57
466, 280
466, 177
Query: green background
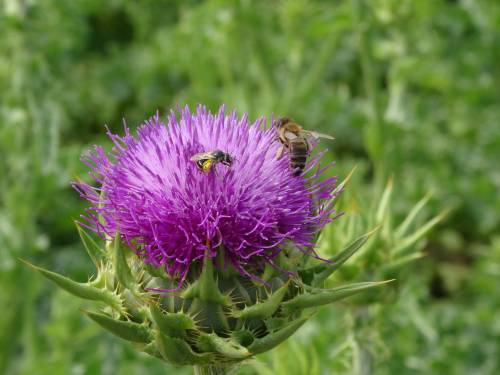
410, 90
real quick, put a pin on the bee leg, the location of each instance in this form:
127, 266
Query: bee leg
199, 165
297, 171
309, 146
214, 169
280, 151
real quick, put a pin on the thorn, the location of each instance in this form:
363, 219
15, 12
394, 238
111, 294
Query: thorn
32, 266
376, 228
390, 182
349, 175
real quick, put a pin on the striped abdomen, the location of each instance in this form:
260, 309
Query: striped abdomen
298, 152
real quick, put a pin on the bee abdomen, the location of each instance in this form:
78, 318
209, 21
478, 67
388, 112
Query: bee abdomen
298, 156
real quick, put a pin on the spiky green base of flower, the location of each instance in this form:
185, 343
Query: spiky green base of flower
217, 318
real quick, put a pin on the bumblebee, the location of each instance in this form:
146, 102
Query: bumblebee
297, 140
205, 161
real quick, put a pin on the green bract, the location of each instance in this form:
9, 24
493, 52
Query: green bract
218, 318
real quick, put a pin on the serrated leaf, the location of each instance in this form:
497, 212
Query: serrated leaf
227, 347
263, 309
325, 296
178, 352
275, 338
171, 324
317, 274
82, 290
129, 331
95, 252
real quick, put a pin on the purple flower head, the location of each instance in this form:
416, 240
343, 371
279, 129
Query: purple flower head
172, 213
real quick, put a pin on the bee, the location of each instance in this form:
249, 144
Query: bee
297, 140
206, 160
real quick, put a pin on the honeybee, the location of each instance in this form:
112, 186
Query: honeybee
206, 160
297, 140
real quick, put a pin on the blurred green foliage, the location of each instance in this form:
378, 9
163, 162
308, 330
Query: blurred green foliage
409, 89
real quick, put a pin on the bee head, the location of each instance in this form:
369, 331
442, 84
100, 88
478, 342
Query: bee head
222, 157
218, 154
227, 159
280, 122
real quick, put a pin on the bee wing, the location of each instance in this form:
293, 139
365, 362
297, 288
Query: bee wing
318, 135
290, 135
201, 156
279, 153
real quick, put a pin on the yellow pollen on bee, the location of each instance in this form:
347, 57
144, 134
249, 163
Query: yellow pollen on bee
207, 164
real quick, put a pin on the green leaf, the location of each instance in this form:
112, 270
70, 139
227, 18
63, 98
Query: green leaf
319, 273
129, 331
274, 324
273, 339
383, 207
362, 359
122, 268
399, 263
411, 239
402, 229
82, 290
171, 324
178, 352
95, 252
227, 347
151, 349
263, 309
325, 296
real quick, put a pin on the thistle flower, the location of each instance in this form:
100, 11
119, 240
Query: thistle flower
172, 213
219, 269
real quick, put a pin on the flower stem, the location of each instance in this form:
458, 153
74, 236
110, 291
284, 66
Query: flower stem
212, 370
